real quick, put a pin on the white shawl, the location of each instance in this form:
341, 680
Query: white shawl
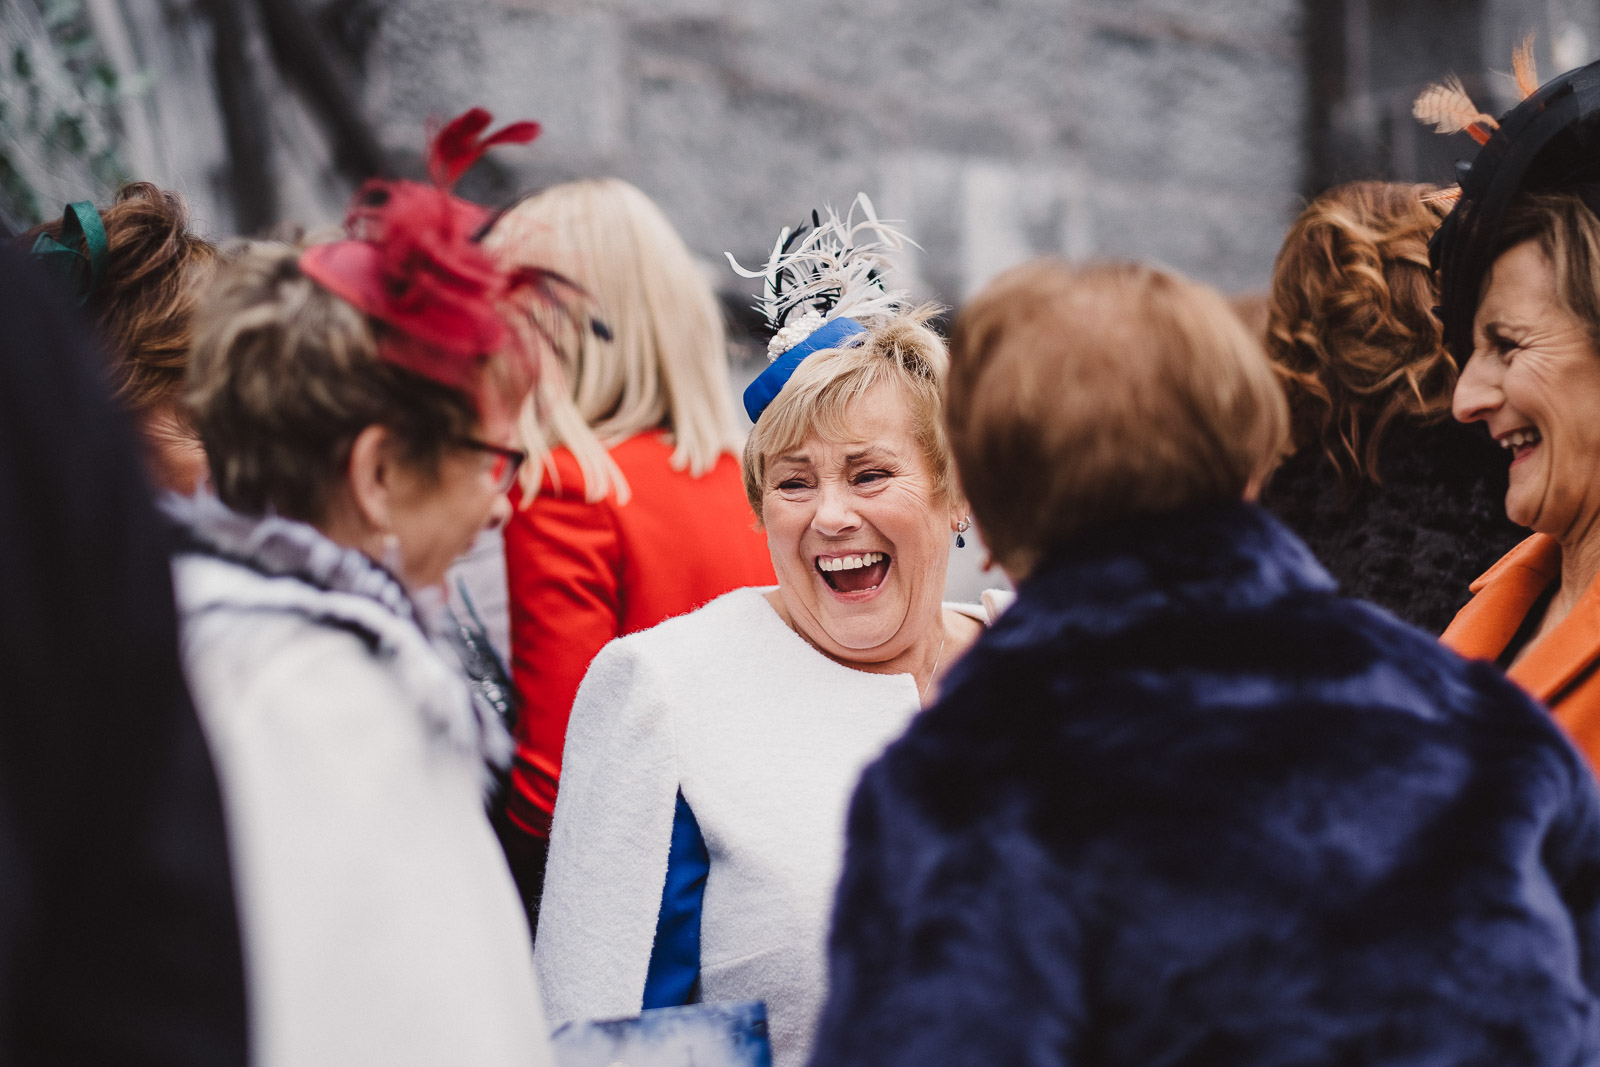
380, 924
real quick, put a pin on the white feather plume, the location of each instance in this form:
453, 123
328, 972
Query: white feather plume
831, 269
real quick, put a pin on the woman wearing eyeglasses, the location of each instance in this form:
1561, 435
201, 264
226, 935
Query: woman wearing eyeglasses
356, 401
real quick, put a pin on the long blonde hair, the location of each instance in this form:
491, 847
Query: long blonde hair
666, 364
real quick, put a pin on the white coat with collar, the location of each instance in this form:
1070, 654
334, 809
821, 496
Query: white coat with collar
765, 737
380, 922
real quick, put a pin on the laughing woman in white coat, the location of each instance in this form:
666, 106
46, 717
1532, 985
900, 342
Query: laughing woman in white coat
709, 762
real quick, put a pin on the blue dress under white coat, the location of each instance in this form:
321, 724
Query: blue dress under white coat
726, 721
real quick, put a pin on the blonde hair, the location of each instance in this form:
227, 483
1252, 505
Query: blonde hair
1351, 328
666, 364
818, 398
1082, 394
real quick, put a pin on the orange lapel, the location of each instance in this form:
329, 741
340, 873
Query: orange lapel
1562, 655
1485, 626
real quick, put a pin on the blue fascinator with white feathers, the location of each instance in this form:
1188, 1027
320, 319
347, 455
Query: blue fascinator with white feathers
822, 288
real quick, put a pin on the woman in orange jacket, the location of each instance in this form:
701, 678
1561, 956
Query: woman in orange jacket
1519, 262
633, 510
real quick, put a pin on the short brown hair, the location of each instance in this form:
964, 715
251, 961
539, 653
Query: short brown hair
1351, 328
284, 376
1082, 394
903, 351
143, 308
1568, 233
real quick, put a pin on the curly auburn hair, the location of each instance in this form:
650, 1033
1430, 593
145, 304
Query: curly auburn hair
144, 306
1351, 327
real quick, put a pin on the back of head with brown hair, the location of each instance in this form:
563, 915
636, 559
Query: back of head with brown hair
1351, 328
144, 306
1082, 394
284, 376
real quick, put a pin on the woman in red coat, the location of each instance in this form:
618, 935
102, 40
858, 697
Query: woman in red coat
637, 511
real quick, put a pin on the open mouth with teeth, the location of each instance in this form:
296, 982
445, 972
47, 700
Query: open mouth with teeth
1520, 442
859, 573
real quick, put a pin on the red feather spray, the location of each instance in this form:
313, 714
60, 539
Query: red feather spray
413, 262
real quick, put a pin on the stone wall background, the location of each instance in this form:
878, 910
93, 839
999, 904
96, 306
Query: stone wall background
1185, 131
996, 129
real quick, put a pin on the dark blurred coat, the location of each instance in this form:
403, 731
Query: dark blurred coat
1183, 805
118, 937
1413, 543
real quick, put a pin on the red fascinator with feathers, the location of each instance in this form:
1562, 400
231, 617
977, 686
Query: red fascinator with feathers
414, 263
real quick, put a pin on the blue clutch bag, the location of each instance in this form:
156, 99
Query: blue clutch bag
733, 1034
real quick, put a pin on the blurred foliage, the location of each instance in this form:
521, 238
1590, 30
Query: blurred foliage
59, 100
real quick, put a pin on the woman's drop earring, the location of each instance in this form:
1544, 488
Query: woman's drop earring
962, 527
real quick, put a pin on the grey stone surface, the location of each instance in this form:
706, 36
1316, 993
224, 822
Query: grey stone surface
1227, 240
996, 130
1158, 110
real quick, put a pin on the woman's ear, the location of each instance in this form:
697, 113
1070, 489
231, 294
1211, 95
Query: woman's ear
960, 512
370, 477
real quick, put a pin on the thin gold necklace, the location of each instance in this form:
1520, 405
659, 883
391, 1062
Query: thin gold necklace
922, 693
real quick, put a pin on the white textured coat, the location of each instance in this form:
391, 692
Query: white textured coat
766, 738
380, 922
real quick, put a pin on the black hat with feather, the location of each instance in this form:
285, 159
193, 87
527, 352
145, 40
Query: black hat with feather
1550, 142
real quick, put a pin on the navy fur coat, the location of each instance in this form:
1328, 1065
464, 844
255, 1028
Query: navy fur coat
1182, 805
